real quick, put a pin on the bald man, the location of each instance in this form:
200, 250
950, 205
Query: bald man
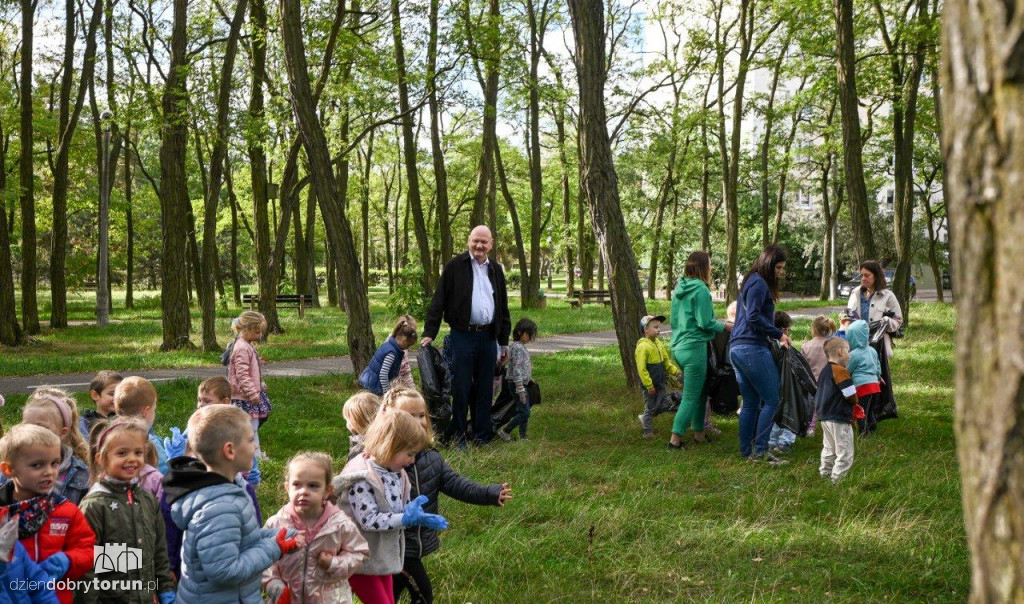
471, 297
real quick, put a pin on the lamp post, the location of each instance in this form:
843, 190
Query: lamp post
103, 264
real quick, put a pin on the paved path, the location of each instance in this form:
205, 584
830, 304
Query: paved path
79, 382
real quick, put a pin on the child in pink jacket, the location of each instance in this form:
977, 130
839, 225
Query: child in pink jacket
334, 551
247, 389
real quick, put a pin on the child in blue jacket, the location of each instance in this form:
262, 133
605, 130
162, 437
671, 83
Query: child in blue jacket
386, 363
866, 371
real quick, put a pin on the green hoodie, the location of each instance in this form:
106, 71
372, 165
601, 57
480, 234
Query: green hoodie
693, 316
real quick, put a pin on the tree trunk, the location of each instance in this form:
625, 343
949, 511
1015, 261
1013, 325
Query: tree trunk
490, 50
731, 155
517, 231
265, 271
409, 152
780, 199
437, 152
983, 143
314, 287
67, 124
360, 333
933, 258
670, 260
29, 270
849, 105
300, 257
906, 81
388, 183
211, 261
236, 284
933, 72
598, 179
666, 189
10, 331
567, 230
174, 200
129, 281
769, 122
364, 199
531, 279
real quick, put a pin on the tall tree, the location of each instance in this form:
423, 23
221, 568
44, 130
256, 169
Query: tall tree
486, 46
67, 123
905, 45
983, 143
360, 332
26, 174
409, 151
437, 151
175, 206
10, 331
849, 110
210, 260
600, 182
266, 271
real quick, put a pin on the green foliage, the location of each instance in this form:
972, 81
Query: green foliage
409, 297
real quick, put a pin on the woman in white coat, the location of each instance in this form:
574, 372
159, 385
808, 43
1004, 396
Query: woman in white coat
876, 304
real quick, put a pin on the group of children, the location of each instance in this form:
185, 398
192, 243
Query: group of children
845, 367
92, 510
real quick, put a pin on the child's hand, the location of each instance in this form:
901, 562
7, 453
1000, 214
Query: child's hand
289, 544
415, 516
504, 494
175, 443
652, 390
278, 592
325, 559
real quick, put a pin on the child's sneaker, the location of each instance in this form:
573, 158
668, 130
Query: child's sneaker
782, 450
648, 435
835, 479
768, 458
641, 418
505, 436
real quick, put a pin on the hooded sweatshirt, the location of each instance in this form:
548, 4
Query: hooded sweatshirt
693, 316
224, 550
864, 366
333, 532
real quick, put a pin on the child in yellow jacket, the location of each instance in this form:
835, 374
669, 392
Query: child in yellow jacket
654, 364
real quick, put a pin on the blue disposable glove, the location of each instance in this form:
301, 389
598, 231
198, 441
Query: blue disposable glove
415, 516
56, 566
175, 444
167, 597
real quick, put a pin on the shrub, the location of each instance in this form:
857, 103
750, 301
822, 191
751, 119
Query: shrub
409, 296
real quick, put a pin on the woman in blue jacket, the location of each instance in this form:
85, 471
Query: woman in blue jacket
751, 356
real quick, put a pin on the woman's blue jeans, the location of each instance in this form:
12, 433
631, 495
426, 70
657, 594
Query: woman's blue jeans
758, 378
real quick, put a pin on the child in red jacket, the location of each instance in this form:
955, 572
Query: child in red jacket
52, 529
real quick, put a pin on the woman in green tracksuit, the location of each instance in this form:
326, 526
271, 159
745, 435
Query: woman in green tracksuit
693, 326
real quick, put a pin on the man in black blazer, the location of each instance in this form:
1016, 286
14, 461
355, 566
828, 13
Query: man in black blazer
471, 297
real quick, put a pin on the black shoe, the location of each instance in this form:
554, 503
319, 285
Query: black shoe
678, 447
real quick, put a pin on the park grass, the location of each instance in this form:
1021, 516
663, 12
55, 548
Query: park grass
132, 340
600, 514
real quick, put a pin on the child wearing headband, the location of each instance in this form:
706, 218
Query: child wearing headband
57, 411
120, 510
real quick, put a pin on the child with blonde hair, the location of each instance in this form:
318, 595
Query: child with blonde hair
359, 411
386, 363
813, 350
57, 411
429, 476
225, 551
120, 510
50, 527
248, 392
334, 547
374, 491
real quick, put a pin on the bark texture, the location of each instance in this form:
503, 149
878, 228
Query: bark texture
983, 142
600, 182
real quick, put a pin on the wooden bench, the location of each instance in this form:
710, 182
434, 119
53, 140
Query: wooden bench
299, 301
590, 296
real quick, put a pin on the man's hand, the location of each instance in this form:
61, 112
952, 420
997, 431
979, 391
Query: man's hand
425, 341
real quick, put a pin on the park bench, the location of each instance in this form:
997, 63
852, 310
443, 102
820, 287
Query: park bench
590, 296
299, 301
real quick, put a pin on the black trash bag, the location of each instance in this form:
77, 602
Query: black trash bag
435, 388
504, 407
886, 407
722, 388
796, 392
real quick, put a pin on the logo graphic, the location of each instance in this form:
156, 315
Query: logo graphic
116, 557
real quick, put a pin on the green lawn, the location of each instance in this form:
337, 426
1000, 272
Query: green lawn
601, 515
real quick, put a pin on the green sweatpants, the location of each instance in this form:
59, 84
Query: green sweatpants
693, 360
